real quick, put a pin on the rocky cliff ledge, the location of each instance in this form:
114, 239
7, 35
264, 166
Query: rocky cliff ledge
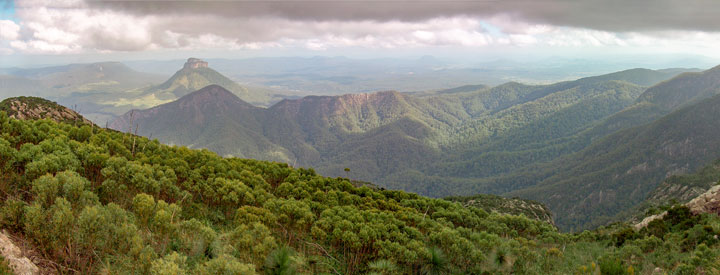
194, 63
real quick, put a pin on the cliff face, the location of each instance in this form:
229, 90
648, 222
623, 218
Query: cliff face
194, 63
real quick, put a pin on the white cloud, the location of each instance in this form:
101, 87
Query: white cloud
72, 26
9, 30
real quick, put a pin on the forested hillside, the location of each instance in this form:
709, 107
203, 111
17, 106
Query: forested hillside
474, 139
373, 133
676, 189
619, 170
91, 200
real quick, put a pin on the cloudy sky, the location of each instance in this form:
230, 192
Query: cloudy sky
163, 29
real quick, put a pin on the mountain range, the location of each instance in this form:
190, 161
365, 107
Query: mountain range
62, 81
102, 91
513, 139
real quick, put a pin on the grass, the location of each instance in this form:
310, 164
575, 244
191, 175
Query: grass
4, 267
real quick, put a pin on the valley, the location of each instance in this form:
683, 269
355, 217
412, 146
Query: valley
512, 139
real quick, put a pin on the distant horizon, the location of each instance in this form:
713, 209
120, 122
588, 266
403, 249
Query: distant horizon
694, 61
40, 32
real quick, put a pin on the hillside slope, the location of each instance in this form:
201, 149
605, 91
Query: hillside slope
101, 201
619, 171
195, 75
206, 118
481, 141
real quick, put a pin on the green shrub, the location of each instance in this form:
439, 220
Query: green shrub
611, 266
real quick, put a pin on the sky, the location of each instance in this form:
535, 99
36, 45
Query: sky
56, 31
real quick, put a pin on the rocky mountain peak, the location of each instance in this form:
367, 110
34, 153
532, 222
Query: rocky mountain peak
195, 63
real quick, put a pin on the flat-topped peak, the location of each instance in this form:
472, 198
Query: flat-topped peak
195, 63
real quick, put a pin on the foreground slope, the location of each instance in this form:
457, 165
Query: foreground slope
89, 200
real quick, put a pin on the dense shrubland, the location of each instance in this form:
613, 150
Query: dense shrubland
92, 200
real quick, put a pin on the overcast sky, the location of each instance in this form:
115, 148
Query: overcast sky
163, 29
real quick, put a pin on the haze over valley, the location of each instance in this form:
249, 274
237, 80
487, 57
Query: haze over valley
359, 137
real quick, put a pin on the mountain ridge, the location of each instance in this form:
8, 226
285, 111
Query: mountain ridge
402, 141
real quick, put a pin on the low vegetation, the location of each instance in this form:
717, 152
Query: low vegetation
4, 267
93, 200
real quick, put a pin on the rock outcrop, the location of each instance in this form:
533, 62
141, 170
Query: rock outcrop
27, 108
194, 63
708, 202
20, 264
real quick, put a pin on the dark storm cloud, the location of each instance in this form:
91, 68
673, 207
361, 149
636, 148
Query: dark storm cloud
610, 15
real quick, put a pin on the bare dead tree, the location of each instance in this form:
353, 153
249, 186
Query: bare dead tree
134, 137
146, 143
132, 117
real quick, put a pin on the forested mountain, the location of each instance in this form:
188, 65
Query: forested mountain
11, 86
131, 89
195, 75
62, 81
462, 142
90, 200
618, 171
212, 118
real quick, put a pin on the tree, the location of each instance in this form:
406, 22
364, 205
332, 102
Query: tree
437, 263
382, 267
282, 261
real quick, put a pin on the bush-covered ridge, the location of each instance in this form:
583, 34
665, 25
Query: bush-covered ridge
99, 201
28, 107
513, 206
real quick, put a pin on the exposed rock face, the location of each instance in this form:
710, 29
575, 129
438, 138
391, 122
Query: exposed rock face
194, 63
649, 219
20, 264
708, 202
25, 108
